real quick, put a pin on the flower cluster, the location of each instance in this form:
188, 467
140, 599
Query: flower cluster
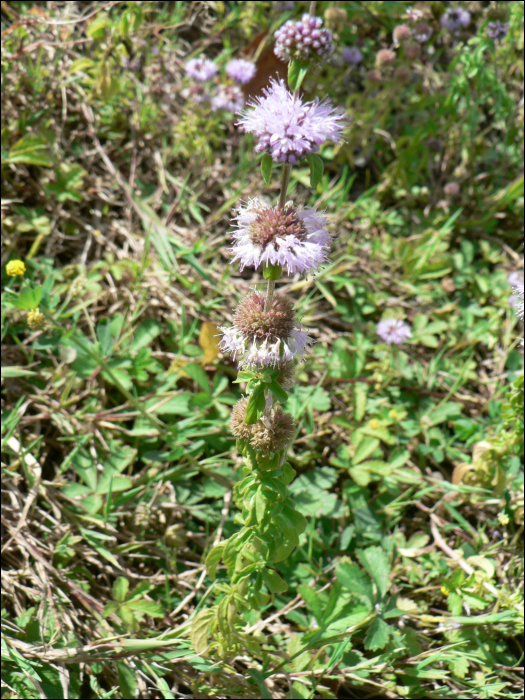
497, 30
288, 128
15, 268
299, 41
455, 18
352, 55
265, 337
226, 95
294, 239
392, 331
271, 434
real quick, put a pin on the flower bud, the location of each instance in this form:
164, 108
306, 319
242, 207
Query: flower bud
36, 320
385, 57
451, 189
401, 33
412, 51
374, 76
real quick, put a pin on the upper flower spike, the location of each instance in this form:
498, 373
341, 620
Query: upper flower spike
288, 128
292, 238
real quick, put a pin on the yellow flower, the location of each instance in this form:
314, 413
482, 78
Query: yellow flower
503, 518
36, 320
374, 424
444, 591
393, 414
15, 268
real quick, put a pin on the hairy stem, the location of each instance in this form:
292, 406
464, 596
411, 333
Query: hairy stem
284, 185
312, 8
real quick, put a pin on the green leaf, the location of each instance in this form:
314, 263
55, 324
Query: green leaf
12, 371
145, 334
28, 298
260, 505
148, 607
313, 602
200, 627
274, 582
198, 375
272, 272
376, 564
279, 393
105, 338
30, 150
316, 169
378, 634
120, 589
127, 680
213, 559
297, 71
365, 448
360, 400
266, 169
256, 405
356, 581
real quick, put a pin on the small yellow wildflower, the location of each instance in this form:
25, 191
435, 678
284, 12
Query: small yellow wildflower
444, 591
393, 414
36, 320
374, 424
14, 268
503, 518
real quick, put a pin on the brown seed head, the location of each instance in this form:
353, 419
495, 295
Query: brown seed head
238, 426
276, 223
274, 434
385, 57
451, 189
412, 51
257, 324
374, 76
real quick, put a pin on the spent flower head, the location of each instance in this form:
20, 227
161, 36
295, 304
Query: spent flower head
201, 69
299, 41
455, 18
273, 433
36, 320
393, 331
15, 268
263, 337
288, 128
228, 97
294, 239
401, 33
240, 70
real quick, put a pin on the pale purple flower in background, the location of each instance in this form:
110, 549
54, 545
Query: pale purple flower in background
299, 40
393, 331
228, 97
414, 14
516, 299
497, 30
288, 128
240, 70
456, 18
195, 92
201, 69
352, 55
422, 32
295, 239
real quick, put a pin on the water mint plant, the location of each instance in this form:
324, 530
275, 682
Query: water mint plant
266, 340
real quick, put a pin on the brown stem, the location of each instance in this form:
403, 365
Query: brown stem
284, 185
312, 8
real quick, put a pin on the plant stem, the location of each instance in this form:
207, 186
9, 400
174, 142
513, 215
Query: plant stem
284, 185
312, 8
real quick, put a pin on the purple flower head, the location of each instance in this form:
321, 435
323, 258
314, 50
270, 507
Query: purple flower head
393, 331
517, 298
422, 32
240, 70
228, 97
455, 19
201, 69
352, 55
265, 337
295, 239
497, 30
300, 40
288, 128
195, 92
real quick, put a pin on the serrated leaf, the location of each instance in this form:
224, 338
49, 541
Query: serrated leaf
378, 634
356, 581
266, 168
30, 150
316, 169
200, 630
260, 505
375, 562
454, 603
213, 559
